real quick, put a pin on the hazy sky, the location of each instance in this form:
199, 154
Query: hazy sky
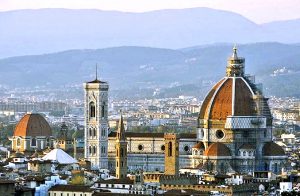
259, 11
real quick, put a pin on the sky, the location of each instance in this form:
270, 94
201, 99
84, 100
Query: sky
259, 11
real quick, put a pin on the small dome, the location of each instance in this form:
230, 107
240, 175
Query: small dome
217, 149
33, 125
247, 146
272, 149
199, 145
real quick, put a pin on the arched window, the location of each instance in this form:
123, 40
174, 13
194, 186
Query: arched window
94, 132
90, 132
122, 152
244, 153
92, 110
103, 110
33, 142
201, 152
275, 167
90, 149
18, 142
170, 149
103, 132
94, 149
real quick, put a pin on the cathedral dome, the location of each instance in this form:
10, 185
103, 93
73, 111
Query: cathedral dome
217, 149
32, 125
234, 95
272, 149
231, 96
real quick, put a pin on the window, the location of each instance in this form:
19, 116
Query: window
94, 132
275, 167
186, 148
90, 132
18, 142
103, 132
122, 152
219, 134
102, 110
94, 149
162, 148
170, 149
90, 149
140, 147
33, 142
92, 110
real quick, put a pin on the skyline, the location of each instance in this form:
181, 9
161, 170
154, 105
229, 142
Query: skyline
255, 10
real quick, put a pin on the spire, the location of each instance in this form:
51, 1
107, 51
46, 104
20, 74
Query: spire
234, 54
121, 129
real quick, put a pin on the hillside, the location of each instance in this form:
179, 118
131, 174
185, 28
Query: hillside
129, 68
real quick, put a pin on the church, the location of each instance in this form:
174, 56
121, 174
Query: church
234, 130
235, 126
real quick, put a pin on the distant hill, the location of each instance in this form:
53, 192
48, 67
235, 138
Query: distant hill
40, 31
131, 69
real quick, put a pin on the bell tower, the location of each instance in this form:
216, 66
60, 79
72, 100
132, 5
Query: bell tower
121, 151
171, 154
96, 123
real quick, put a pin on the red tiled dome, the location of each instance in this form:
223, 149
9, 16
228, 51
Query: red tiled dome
217, 149
230, 96
272, 149
32, 125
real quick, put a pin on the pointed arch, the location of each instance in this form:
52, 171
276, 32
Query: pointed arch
92, 109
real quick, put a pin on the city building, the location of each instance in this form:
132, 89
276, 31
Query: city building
235, 126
